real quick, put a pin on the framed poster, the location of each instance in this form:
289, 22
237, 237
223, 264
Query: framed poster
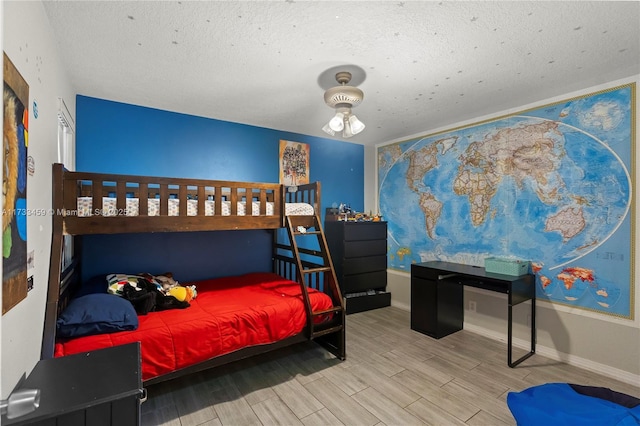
294, 163
14, 183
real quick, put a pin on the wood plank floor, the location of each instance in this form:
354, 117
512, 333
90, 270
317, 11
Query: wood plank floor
392, 376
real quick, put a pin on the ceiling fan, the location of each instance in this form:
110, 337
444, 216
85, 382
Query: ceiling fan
342, 98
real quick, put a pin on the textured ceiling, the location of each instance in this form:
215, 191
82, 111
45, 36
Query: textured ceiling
421, 64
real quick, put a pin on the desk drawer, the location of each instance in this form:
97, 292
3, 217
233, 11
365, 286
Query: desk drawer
426, 273
365, 248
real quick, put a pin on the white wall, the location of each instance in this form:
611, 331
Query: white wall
29, 42
370, 180
596, 342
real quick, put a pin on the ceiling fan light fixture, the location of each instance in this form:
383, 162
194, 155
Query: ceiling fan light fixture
327, 129
342, 98
337, 122
356, 125
347, 133
348, 95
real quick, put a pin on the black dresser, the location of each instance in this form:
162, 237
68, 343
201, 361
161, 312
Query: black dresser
359, 254
102, 387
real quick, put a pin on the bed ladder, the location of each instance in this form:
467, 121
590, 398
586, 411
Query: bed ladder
309, 272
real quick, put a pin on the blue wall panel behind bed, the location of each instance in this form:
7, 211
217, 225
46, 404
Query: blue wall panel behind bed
113, 137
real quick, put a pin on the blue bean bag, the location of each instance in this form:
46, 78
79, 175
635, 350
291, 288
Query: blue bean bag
568, 404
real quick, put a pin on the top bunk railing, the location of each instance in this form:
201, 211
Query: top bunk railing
100, 203
307, 193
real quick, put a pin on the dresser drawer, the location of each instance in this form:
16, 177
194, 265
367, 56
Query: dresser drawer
365, 248
359, 303
359, 265
363, 282
365, 231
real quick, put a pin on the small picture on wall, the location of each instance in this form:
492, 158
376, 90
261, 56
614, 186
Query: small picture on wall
14, 187
294, 163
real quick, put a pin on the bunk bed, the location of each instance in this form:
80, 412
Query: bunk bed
298, 300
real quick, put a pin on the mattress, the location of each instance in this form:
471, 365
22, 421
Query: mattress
85, 208
228, 314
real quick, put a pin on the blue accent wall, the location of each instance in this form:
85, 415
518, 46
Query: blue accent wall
189, 255
113, 137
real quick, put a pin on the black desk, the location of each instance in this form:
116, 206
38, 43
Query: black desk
102, 387
437, 298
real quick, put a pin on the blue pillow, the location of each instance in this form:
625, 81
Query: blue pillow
96, 314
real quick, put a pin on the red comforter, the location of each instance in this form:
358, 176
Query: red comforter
228, 314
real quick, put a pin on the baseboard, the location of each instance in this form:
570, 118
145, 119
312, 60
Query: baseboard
605, 370
399, 305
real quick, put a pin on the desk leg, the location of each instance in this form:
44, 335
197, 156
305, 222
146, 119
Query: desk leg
533, 325
510, 335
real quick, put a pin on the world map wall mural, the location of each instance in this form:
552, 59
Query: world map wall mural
552, 185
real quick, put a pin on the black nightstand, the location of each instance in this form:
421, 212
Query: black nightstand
359, 255
102, 387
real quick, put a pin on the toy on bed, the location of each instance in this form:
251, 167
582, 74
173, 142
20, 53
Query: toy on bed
148, 293
171, 287
111, 303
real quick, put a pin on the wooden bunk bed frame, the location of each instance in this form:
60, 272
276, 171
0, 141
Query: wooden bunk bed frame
309, 267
